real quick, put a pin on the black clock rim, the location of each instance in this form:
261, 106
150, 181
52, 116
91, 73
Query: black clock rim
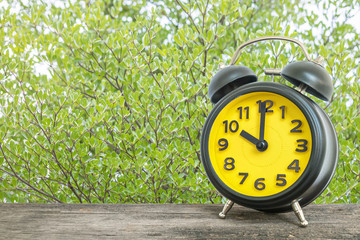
283, 199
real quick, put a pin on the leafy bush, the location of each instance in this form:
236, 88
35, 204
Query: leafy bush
104, 101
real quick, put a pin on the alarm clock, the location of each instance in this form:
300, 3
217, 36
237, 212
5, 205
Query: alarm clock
266, 145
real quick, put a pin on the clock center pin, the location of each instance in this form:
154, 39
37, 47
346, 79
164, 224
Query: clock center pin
262, 146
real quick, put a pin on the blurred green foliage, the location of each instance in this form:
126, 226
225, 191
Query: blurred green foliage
104, 101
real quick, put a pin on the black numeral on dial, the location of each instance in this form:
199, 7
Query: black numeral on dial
267, 107
229, 163
282, 112
223, 143
244, 178
301, 145
281, 181
294, 165
246, 112
233, 126
296, 128
259, 185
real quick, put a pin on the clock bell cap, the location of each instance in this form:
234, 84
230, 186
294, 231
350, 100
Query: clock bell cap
227, 79
314, 76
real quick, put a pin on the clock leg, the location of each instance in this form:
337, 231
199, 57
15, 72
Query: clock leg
299, 213
228, 205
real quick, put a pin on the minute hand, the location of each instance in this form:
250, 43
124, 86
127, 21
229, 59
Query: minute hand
262, 120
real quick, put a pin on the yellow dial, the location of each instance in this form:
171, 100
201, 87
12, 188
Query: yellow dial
260, 144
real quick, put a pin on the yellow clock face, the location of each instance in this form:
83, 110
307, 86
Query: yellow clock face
260, 144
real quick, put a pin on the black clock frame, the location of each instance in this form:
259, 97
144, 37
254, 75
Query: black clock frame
322, 163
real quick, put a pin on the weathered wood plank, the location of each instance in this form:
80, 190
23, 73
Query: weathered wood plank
155, 221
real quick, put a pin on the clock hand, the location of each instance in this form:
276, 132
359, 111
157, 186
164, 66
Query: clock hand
261, 146
262, 120
249, 137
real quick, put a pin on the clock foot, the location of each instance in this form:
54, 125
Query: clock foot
228, 205
299, 213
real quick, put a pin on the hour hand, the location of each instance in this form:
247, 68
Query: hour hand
249, 137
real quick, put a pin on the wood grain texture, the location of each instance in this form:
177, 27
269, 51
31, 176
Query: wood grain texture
167, 221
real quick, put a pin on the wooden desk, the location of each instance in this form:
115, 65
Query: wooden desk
170, 221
